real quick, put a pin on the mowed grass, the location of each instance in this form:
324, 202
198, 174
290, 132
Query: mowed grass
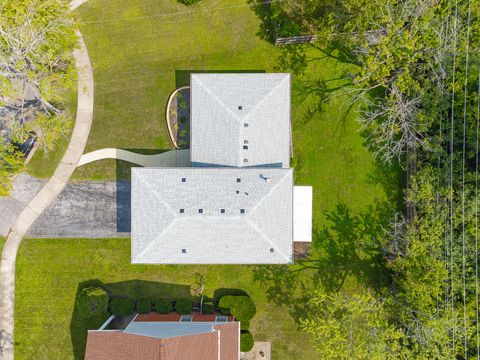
43, 163
50, 270
141, 51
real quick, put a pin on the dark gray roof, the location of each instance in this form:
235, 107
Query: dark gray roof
181, 222
240, 119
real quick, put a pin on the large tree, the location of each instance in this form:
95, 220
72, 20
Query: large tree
36, 68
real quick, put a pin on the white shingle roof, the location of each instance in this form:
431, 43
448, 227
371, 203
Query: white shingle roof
160, 231
240, 116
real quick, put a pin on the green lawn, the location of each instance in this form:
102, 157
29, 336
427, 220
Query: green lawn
43, 164
50, 270
141, 51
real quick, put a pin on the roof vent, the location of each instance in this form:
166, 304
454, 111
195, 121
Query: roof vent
245, 124
184, 179
239, 180
267, 179
182, 211
184, 251
222, 211
272, 250
245, 141
242, 211
245, 147
240, 107
200, 211
245, 160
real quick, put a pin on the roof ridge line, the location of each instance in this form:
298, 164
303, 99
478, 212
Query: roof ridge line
265, 97
257, 229
153, 242
218, 100
260, 202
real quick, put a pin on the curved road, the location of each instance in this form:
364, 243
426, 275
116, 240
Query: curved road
46, 196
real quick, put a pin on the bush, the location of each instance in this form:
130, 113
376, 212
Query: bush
246, 341
163, 306
183, 306
241, 307
121, 306
92, 301
144, 306
225, 304
188, 2
244, 325
208, 308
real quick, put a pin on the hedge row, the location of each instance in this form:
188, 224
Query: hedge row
241, 307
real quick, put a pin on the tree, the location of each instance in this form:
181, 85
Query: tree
351, 327
36, 68
92, 301
11, 162
240, 306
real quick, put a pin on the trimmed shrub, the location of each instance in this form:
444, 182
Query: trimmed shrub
92, 301
225, 304
244, 325
208, 308
144, 306
121, 306
183, 306
163, 306
188, 2
242, 307
246, 341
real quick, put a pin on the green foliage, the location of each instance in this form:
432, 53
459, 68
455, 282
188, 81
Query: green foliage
92, 301
246, 341
188, 2
208, 308
121, 306
183, 306
11, 162
163, 306
244, 325
351, 327
241, 307
144, 306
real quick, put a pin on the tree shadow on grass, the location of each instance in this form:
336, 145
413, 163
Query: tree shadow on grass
348, 246
135, 289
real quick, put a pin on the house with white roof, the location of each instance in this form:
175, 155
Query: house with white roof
237, 203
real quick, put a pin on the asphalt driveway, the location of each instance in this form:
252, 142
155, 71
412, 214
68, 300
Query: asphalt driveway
87, 209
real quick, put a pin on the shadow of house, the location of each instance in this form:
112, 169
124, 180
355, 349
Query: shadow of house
135, 289
182, 77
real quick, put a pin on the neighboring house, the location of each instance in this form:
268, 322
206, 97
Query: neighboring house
168, 337
237, 203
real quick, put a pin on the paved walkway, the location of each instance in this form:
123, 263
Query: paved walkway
172, 158
24, 189
46, 196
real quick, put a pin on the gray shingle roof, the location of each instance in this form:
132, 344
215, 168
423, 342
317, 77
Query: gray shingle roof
160, 231
240, 116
